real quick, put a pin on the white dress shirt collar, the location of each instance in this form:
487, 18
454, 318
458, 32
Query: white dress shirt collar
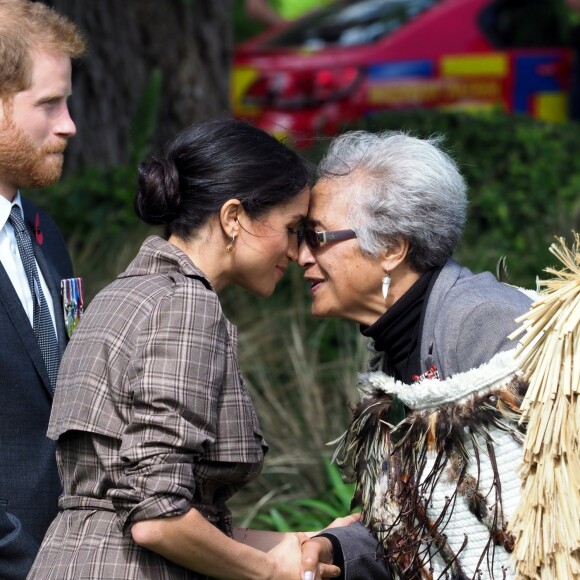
6, 208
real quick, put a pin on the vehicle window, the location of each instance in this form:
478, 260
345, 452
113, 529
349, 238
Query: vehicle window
524, 23
350, 23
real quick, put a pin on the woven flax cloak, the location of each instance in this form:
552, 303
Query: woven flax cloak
438, 487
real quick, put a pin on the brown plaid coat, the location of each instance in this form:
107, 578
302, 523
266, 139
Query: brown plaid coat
152, 417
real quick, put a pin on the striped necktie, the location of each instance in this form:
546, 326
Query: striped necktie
42, 322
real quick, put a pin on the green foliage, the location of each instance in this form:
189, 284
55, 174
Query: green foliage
524, 183
244, 27
309, 514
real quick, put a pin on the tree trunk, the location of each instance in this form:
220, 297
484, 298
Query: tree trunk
189, 41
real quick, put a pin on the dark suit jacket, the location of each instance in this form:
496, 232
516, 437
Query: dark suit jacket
29, 482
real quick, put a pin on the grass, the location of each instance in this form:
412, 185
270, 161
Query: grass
307, 514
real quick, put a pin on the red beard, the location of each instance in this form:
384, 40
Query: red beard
22, 165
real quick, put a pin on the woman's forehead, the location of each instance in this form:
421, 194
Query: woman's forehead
328, 201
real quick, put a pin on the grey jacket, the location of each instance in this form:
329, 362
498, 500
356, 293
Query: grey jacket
467, 321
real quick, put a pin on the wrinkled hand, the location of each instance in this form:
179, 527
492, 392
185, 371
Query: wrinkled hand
317, 553
317, 559
344, 521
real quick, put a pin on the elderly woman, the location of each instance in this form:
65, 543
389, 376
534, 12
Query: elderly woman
384, 220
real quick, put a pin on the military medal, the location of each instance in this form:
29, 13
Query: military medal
73, 294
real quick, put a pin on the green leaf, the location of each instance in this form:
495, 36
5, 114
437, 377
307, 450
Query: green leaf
279, 522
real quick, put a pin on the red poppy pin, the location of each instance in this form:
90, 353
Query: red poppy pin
38, 233
432, 373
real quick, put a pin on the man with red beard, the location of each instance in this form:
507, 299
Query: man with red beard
36, 48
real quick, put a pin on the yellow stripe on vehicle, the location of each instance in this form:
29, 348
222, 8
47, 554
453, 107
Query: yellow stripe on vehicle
471, 65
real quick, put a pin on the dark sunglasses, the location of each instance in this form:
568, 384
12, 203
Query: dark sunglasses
315, 239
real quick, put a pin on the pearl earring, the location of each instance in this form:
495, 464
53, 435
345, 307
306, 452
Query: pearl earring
386, 284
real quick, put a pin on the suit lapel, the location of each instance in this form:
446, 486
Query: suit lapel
20, 321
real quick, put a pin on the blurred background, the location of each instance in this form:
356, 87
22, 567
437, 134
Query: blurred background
498, 78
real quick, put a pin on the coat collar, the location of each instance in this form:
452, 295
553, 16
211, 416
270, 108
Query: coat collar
448, 277
158, 256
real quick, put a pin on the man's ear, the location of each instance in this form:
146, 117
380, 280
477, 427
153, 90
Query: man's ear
229, 217
395, 255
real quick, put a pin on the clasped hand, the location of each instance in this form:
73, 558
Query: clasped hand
301, 555
317, 553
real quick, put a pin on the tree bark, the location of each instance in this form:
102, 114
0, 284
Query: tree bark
189, 41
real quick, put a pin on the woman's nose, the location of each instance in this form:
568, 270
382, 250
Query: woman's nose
305, 256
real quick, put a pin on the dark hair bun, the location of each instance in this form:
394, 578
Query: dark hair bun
209, 163
158, 198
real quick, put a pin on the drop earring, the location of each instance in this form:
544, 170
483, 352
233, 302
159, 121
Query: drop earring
230, 246
386, 284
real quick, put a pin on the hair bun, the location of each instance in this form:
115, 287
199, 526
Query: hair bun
158, 197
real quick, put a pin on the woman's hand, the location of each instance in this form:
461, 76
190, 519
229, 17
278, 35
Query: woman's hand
317, 555
337, 523
344, 521
285, 558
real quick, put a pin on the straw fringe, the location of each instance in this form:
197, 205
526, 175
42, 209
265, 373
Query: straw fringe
546, 524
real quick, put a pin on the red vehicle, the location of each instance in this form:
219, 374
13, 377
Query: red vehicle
352, 59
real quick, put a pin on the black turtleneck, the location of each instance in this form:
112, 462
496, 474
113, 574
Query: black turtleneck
397, 333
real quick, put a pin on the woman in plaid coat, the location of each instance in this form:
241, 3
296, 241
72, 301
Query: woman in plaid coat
155, 427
